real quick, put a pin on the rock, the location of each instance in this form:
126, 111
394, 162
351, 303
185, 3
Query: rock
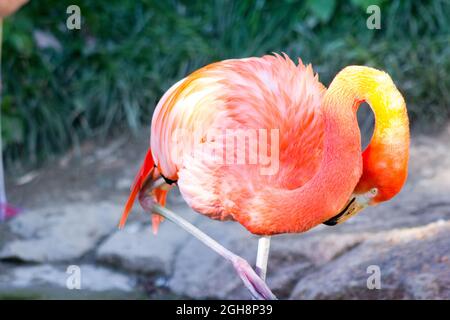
123, 184
296, 255
50, 282
414, 263
136, 248
318, 246
284, 274
58, 234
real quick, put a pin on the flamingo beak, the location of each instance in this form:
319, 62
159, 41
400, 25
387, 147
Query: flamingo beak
356, 204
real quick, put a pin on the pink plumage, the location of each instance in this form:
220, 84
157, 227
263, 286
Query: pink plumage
268, 93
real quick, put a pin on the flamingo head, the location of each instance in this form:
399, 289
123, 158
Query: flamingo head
379, 182
385, 169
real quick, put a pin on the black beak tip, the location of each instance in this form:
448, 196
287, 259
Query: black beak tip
331, 222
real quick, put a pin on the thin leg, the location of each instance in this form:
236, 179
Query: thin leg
257, 287
262, 257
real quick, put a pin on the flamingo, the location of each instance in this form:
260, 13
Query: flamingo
321, 176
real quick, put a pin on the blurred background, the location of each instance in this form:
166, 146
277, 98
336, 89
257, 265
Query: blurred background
75, 118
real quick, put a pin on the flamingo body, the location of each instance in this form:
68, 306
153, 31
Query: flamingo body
256, 93
309, 132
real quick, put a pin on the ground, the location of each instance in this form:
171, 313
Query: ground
71, 207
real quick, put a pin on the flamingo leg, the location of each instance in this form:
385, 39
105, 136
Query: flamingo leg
257, 287
262, 256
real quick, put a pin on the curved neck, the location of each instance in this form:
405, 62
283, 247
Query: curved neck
341, 167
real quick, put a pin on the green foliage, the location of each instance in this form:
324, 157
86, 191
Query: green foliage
322, 9
108, 76
363, 4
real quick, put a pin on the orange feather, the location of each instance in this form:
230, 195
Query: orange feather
141, 177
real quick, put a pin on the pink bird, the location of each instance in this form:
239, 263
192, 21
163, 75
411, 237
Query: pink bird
261, 141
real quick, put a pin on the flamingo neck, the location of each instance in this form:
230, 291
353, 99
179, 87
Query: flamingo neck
297, 210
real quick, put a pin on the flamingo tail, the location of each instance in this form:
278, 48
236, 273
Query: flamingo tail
141, 177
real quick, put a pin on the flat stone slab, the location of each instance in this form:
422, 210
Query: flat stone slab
137, 249
59, 233
54, 282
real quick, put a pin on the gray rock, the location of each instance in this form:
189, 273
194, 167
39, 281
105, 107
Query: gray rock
47, 281
294, 256
414, 264
57, 234
135, 248
318, 246
282, 275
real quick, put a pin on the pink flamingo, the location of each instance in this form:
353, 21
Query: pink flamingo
320, 175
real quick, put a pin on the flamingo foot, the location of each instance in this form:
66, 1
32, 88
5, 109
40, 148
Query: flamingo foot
257, 287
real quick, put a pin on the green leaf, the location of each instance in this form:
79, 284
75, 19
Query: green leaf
322, 9
12, 129
22, 43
